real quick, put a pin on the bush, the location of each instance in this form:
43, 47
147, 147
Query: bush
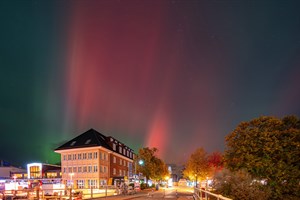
239, 186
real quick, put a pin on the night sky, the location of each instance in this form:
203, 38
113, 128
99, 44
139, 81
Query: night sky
176, 75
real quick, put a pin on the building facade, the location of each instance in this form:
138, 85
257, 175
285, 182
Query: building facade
92, 160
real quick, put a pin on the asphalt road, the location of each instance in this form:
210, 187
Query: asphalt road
178, 193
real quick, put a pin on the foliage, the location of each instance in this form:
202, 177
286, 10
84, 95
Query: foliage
152, 167
269, 149
239, 185
197, 167
215, 162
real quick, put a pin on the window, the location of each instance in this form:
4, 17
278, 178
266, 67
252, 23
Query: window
92, 183
104, 169
84, 169
74, 156
101, 169
127, 153
101, 156
70, 157
114, 146
79, 169
90, 155
70, 170
79, 156
120, 172
65, 157
120, 161
95, 155
84, 156
115, 160
88, 141
124, 173
95, 168
125, 163
89, 169
114, 171
74, 169
72, 144
65, 171
105, 156
80, 184
120, 149
124, 152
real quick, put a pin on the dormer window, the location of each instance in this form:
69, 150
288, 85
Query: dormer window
72, 144
88, 141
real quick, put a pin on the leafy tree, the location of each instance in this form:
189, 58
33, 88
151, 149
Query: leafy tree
151, 167
239, 185
269, 149
215, 162
197, 167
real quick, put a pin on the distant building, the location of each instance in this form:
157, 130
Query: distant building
176, 172
43, 170
92, 159
7, 171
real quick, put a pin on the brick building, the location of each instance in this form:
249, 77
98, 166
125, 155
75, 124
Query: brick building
92, 159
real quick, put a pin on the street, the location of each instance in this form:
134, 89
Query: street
182, 193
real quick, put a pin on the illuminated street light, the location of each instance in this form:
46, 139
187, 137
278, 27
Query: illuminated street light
141, 162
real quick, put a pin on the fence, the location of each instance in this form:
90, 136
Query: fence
202, 194
58, 194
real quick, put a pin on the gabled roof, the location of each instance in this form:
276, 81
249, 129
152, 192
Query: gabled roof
90, 138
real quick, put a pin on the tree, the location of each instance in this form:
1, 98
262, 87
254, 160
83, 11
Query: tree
215, 162
239, 185
269, 149
152, 167
197, 167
